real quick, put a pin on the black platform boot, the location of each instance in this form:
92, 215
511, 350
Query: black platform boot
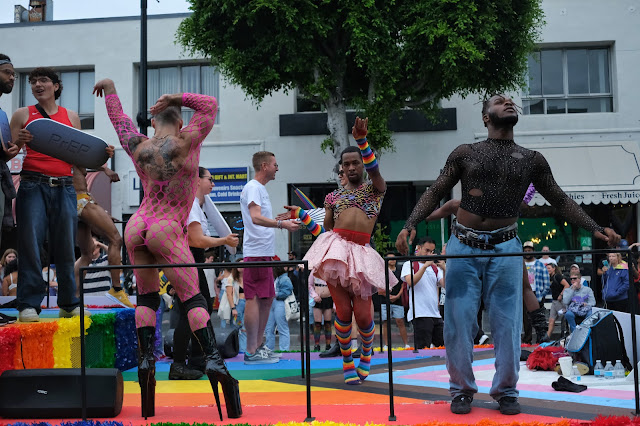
147, 370
538, 321
217, 371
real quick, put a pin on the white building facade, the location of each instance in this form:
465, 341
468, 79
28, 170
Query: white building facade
581, 110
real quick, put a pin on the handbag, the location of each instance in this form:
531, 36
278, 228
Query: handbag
291, 308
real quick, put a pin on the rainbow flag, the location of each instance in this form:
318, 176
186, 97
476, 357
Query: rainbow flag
308, 204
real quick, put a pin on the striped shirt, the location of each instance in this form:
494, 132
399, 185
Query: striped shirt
98, 281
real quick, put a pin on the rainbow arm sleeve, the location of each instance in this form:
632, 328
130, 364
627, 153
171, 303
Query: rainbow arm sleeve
311, 225
368, 157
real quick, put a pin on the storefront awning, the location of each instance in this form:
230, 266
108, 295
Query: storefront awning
594, 173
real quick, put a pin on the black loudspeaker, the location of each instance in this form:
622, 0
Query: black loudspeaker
55, 393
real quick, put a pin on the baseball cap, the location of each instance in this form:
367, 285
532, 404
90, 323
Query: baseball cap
576, 265
527, 244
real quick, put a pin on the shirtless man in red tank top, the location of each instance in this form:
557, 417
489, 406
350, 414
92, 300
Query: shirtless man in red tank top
46, 203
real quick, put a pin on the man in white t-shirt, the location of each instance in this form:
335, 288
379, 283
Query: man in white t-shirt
427, 323
259, 246
545, 257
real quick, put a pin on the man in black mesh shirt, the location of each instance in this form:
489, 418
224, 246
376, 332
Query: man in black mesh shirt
495, 175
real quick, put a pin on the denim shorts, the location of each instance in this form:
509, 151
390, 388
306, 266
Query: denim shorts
397, 311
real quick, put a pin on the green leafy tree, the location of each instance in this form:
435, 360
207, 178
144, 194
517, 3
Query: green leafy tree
377, 56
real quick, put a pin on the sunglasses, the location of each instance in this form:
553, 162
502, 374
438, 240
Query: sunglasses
574, 278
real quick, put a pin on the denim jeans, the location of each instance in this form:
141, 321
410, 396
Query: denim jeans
571, 319
242, 335
46, 212
498, 281
277, 317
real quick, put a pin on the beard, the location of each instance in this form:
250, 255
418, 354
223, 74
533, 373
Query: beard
502, 122
5, 88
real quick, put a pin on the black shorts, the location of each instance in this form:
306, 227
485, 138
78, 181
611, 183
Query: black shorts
325, 303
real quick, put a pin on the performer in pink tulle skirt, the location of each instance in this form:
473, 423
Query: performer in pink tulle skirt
342, 257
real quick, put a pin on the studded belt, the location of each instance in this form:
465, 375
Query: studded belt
484, 240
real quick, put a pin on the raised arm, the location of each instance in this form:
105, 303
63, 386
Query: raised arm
359, 132
546, 185
206, 108
127, 132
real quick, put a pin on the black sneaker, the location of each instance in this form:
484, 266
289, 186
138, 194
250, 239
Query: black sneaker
7, 319
357, 352
461, 404
316, 348
509, 405
332, 352
179, 371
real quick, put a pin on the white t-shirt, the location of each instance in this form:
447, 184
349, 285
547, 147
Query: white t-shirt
258, 241
547, 260
197, 215
426, 292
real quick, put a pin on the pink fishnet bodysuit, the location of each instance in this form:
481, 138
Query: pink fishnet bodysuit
156, 233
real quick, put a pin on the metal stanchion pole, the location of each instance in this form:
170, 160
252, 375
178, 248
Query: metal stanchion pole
83, 373
302, 283
633, 300
392, 415
307, 352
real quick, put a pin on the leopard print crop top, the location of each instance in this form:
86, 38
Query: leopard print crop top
365, 197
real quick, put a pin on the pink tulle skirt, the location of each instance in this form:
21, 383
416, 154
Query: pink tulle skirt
357, 268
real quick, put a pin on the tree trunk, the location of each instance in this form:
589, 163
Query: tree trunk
337, 125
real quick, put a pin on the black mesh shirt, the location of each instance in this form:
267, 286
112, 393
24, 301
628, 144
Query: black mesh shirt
495, 175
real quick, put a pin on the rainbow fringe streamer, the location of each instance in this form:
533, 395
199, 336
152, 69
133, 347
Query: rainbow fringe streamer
308, 204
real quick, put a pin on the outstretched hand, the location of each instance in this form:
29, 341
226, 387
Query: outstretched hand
359, 129
104, 87
401, 241
113, 176
110, 150
610, 237
288, 214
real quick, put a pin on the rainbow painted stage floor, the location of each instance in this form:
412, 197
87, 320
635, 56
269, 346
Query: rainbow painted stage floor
276, 394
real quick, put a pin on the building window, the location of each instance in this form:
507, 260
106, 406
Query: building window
568, 81
76, 94
202, 79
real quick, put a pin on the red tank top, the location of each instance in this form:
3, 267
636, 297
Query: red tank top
35, 161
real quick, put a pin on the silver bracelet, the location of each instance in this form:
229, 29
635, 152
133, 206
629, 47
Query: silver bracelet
279, 224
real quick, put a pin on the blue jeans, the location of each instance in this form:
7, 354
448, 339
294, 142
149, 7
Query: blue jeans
571, 318
277, 317
46, 211
498, 281
242, 335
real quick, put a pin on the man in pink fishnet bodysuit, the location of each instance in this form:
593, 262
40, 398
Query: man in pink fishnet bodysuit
167, 164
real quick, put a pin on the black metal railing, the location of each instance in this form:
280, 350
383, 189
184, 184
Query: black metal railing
303, 293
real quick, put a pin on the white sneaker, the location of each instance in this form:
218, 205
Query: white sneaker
29, 315
407, 346
483, 339
385, 347
73, 313
269, 352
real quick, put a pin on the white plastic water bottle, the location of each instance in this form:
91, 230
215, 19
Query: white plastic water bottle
608, 370
618, 370
575, 374
597, 370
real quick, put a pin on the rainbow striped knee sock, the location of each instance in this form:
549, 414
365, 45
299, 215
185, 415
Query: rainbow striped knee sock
367, 350
343, 334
